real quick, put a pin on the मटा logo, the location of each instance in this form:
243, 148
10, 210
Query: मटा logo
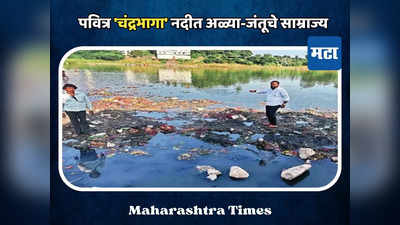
324, 52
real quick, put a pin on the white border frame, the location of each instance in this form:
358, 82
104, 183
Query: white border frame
197, 189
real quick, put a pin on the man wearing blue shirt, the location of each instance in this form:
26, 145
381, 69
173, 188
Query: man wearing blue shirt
75, 104
276, 98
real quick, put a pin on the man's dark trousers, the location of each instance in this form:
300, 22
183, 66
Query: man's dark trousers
271, 113
78, 120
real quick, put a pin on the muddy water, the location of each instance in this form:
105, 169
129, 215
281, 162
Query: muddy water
161, 168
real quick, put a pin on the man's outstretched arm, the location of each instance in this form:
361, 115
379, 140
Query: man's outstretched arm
261, 92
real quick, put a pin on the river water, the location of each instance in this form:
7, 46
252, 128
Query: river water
230, 88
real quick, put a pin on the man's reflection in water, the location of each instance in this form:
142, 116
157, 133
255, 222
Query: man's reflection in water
90, 162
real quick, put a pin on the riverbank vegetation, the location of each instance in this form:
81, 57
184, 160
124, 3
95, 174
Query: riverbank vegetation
213, 58
208, 68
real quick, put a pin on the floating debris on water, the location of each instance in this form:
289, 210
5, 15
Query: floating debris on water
139, 152
308, 135
119, 129
129, 103
185, 156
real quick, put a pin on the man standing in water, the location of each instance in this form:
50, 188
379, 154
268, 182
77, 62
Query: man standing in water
277, 97
75, 104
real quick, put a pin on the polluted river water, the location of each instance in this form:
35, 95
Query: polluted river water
169, 159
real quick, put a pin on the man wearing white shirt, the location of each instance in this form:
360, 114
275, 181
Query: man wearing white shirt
276, 98
75, 104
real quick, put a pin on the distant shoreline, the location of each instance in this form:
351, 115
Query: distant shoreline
177, 64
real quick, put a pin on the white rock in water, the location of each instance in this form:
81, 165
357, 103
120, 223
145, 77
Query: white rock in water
213, 171
212, 177
238, 173
334, 158
305, 153
294, 172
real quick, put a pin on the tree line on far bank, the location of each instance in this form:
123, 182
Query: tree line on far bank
245, 57
111, 55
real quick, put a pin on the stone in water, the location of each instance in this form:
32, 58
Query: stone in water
294, 172
238, 173
305, 153
212, 177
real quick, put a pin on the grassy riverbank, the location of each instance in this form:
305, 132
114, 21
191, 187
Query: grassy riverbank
205, 68
148, 62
